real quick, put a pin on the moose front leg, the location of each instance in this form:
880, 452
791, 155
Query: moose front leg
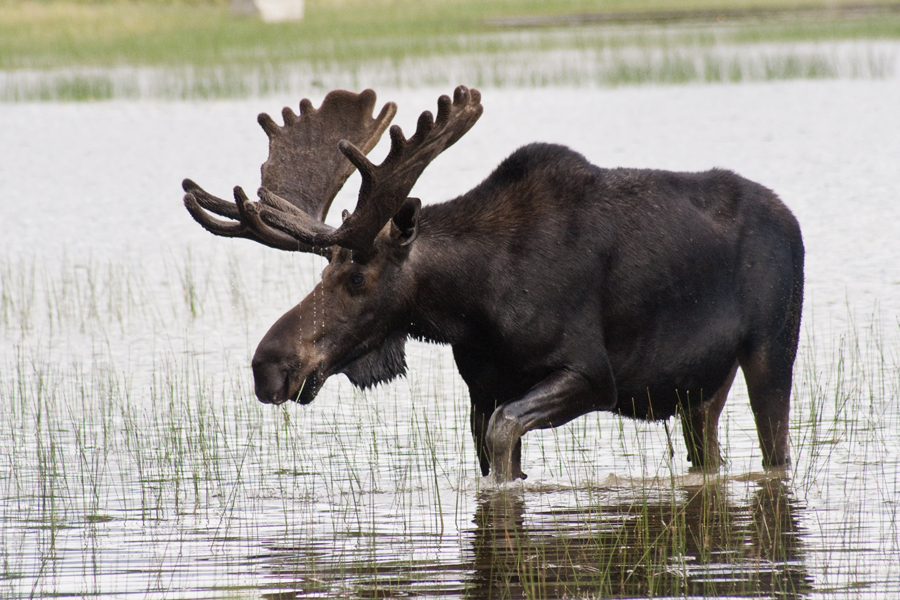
561, 397
479, 421
480, 418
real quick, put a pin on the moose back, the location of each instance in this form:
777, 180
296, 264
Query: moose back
562, 287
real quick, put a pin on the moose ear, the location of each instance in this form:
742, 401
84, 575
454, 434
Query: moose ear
405, 223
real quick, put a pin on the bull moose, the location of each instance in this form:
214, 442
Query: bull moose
562, 287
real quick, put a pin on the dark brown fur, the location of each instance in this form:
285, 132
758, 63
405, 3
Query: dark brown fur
565, 288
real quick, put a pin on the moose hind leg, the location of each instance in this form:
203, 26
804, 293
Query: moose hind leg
769, 380
700, 423
767, 358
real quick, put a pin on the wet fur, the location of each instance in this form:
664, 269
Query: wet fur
381, 365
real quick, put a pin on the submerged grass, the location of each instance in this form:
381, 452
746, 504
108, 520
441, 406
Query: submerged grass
134, 461
103, 50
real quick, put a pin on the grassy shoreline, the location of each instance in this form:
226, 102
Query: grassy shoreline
83, 50
153, 33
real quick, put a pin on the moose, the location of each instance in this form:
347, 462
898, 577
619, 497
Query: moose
562, 287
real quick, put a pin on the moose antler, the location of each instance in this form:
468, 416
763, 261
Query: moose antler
307, 167
385, 187
303, 172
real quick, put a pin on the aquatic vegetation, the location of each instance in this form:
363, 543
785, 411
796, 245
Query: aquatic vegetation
135, 460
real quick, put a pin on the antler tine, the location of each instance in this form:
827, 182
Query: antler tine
210, 202
246, 222
385, 187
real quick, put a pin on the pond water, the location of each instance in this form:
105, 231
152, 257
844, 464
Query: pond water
135, 461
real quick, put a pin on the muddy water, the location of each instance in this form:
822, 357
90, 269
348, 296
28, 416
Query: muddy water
134, 461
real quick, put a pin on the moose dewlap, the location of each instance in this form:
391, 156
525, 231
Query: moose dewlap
562, 287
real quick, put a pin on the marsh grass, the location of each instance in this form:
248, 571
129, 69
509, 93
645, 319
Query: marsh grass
113, 33
87, 51
135, 460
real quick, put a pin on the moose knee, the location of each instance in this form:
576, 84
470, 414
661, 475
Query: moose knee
503, 441
504, 429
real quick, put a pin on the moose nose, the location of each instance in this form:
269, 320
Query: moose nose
270, 383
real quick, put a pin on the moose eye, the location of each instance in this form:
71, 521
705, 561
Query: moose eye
357, 279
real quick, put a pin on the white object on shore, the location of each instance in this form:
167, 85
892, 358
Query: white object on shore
271, 11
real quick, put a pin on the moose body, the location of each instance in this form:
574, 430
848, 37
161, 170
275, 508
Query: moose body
562, 287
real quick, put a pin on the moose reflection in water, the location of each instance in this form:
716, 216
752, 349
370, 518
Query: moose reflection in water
625, 539
695, 543
563, 288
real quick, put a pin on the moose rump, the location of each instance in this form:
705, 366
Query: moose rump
562, 287
705, 275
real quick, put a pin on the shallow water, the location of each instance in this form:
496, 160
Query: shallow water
134, 461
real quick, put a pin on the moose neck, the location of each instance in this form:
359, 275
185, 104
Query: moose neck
451, 280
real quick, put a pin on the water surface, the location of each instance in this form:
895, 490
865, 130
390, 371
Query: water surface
135, 462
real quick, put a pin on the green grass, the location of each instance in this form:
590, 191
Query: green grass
195, 50
42, 35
